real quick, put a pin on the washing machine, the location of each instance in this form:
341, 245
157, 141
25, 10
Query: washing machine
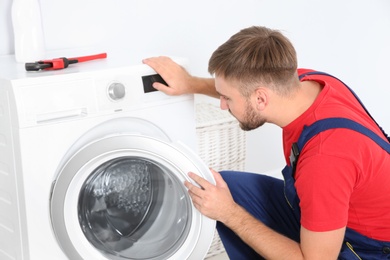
92, 165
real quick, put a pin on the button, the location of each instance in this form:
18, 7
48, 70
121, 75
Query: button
386, 250
116, 91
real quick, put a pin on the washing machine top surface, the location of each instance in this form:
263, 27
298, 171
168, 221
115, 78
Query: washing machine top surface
12, 70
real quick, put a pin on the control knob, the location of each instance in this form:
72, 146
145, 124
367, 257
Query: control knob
116, 91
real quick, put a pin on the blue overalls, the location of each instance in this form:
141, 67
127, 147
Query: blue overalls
276, 203
355, 245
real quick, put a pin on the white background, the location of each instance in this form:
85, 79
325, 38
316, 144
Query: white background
350, 39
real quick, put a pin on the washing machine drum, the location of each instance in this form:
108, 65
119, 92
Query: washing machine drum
122, 197
134, 208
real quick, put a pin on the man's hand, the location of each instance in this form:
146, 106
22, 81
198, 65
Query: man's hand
213, 201
177, 78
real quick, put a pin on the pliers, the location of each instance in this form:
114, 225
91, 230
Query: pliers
60, 63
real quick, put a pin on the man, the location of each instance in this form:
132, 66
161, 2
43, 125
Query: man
342, 206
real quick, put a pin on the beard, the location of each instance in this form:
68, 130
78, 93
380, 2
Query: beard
252, 120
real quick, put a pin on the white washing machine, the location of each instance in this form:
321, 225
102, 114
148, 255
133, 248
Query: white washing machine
92, 165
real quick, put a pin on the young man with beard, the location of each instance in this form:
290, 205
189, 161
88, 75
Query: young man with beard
334, 202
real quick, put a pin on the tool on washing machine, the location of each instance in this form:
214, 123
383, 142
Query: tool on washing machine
60, 63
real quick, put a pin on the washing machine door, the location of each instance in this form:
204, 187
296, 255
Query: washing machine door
122, 197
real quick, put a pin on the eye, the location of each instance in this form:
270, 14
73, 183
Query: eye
225, 98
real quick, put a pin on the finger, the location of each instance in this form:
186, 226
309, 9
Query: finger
199, 180
160, 86
193, 190
157, 63
165, 89
218, 178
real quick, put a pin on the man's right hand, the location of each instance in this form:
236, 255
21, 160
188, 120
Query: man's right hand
178, 79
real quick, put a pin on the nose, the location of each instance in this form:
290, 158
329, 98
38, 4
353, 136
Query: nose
223, 104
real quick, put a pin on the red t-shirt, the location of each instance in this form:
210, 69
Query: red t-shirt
342, 177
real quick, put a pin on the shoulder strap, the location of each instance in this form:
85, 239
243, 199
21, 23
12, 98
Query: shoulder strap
331, 123
337, 122
358, 99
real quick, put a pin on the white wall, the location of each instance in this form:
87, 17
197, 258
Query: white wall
350, 39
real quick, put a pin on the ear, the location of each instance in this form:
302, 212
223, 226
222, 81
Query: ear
261, 98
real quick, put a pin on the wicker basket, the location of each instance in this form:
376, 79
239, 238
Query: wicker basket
221, 142
221, 145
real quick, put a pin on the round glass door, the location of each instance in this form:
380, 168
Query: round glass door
134, 208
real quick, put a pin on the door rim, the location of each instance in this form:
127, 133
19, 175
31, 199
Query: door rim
67, 187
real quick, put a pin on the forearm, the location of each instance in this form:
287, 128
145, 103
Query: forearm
205, 86
262, 239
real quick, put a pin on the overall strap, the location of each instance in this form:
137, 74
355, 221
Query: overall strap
358, 99
337, 122
331, 123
